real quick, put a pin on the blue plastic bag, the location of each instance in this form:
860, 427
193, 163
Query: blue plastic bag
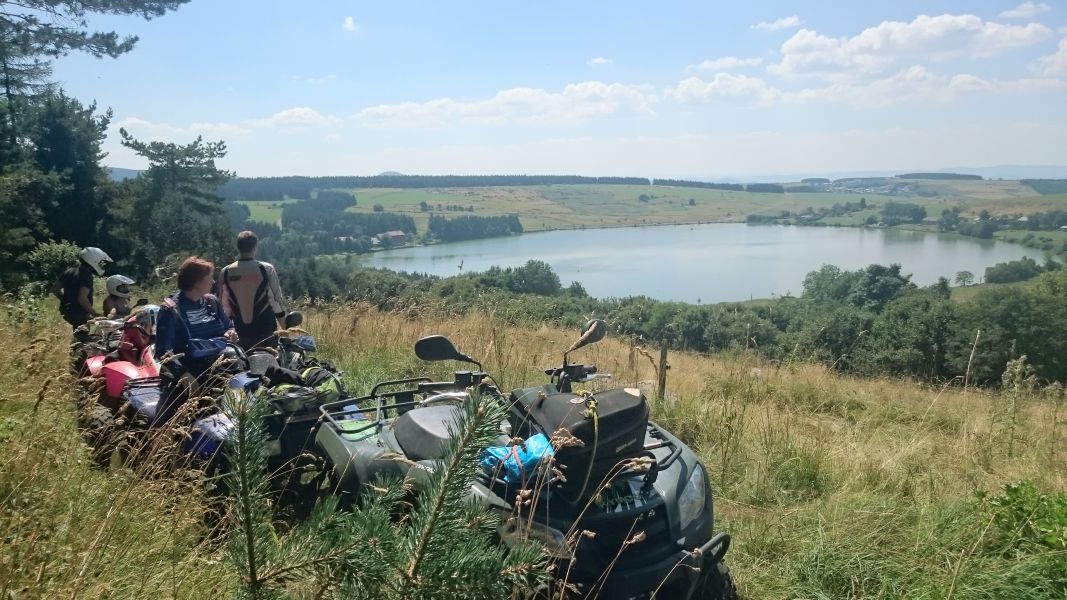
515, 463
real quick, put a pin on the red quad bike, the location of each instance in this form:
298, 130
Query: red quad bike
127, 360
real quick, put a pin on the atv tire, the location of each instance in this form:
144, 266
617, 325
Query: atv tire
718, 584
99, 432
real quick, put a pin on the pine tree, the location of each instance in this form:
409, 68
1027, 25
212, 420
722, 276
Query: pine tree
57, 27
441, 548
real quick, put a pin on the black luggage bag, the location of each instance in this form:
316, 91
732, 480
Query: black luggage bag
615, 434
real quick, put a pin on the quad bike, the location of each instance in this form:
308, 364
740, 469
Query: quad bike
119, 354
293, 385
643, 495
134, 381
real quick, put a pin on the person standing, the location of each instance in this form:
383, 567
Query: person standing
74, 288
251, 295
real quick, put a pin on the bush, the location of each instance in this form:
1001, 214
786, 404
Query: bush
1025, 523
49, 259
1012, 271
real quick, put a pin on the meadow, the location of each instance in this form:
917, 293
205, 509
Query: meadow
832, 486
553, 207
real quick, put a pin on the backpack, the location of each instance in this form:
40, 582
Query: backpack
314, 387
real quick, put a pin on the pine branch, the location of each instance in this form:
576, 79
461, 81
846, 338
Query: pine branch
442, 487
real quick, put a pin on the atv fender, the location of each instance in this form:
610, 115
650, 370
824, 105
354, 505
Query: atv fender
94, 363
118, 373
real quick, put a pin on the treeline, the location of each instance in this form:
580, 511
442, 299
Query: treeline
986, 225
895, 213
471, 227
1046, 187
277, 188
730, 187
872, 321
300, 217
812, 216
946, 176
317, 226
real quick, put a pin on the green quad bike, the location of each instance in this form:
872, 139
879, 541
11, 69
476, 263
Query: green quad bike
639, 494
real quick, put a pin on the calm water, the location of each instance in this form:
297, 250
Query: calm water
707, 263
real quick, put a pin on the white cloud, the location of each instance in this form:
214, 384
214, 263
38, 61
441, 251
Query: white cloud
577, 102
1056, 63
726, 63
320, 80
152, 131
915, 84
349, 24
599, 61
297, 117
878, 48
1026, 10
813, 150
724, 85
778, 24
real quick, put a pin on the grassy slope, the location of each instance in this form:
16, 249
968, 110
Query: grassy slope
571, 206
69, 530
833, 487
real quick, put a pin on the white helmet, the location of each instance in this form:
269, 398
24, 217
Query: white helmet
119, 285
95, 258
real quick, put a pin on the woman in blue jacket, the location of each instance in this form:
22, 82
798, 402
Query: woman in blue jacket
192, 313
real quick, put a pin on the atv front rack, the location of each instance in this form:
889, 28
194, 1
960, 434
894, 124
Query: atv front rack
392, 403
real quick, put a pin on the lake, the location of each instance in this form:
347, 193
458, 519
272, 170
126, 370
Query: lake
717, 262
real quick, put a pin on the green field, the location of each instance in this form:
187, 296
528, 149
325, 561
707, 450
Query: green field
596, 205
267, 211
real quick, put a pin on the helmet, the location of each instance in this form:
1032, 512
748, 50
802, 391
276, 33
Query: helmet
95, 258
147, 317
119, 285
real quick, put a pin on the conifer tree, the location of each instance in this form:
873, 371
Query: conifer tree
442, 548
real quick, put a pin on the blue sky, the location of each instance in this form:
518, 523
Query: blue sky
671, 89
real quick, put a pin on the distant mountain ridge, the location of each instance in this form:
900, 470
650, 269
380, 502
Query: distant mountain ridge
120, 174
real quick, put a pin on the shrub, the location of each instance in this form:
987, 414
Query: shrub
49, 259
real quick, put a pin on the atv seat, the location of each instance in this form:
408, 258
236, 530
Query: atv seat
423, 433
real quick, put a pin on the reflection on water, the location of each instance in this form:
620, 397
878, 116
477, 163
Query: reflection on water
713, 263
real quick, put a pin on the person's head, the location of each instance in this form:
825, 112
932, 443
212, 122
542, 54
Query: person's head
247, 242
94, 258
196, 276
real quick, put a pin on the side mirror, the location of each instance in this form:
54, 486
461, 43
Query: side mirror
294, 319
593, 332
142, 302
438, 347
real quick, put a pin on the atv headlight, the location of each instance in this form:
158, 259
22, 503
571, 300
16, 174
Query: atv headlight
691, 501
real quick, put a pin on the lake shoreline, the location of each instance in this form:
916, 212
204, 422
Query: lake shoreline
704, 263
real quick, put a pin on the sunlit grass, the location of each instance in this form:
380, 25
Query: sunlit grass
832, 486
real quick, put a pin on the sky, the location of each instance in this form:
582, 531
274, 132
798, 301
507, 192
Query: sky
694, 89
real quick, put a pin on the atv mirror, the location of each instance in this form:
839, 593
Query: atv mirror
593, 332
294, 319
142, 302
438, 347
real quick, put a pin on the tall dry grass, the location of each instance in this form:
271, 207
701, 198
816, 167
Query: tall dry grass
69, 529
833, 487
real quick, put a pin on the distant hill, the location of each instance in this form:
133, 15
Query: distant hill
947, 176
119, 174
391, 174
